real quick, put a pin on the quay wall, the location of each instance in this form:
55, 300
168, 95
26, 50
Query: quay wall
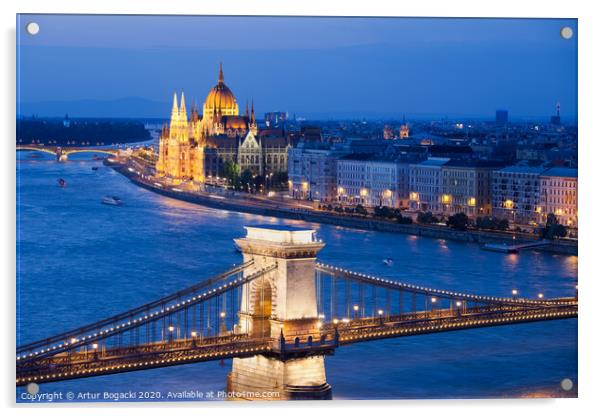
479, 237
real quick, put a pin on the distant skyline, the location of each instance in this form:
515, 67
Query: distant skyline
314, 67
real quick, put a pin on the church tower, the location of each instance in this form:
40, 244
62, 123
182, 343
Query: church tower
182, 145
404, 131
252, 121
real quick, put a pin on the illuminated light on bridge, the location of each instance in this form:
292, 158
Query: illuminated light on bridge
62, 153
236, 314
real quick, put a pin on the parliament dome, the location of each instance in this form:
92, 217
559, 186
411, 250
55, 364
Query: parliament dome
220, 99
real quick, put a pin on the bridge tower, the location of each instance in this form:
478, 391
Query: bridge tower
281, 305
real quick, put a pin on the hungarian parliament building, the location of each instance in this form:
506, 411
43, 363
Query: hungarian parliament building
198, 145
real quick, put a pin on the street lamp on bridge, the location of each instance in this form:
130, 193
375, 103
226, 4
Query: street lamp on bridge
222, 328
170, 329
459, 307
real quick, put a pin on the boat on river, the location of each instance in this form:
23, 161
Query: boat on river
111, 200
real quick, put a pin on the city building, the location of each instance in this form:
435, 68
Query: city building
555, 119
516, 193
404, 130
312, 172
370, 180
467, 187
275, 118
388, 132
311, 134
558, 195
501, 117
426, 184
198, 147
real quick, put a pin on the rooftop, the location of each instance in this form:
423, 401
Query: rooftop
435, 161
536, 170
561, 172
279, 227
475, 163
281, 234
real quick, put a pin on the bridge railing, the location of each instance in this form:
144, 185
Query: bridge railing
133, 313
197, 314
92, 365
339, 272
350, 333
344, 296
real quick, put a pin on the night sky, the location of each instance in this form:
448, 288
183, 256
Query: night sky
313, 67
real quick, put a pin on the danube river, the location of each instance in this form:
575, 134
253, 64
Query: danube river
79, 261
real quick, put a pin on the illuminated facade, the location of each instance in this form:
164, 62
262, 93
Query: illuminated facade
558, 195
197, 147
467, 187
182, 145
426, 185
374, 180
404, 130
271, 307
312, 172
515, 193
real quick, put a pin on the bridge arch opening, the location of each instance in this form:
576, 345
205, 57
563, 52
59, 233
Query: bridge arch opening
33, 151
262, 307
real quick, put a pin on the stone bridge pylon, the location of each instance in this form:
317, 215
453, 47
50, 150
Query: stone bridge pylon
281, 305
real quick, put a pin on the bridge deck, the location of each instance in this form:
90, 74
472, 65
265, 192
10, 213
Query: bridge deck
91, 363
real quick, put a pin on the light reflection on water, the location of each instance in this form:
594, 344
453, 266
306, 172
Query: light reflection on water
80, 261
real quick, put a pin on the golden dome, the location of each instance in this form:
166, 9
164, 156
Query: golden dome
220, 98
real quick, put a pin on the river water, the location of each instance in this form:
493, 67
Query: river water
79, 261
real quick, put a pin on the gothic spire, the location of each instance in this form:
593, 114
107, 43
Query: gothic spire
174, 107
182, 105
220, 79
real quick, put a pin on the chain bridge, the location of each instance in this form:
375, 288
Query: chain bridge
277, 315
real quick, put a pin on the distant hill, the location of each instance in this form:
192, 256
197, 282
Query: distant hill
128, 107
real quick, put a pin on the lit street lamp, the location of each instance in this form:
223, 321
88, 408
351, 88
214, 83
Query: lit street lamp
170, 329
222, 328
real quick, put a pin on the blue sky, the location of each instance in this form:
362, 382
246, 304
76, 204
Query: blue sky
314, 67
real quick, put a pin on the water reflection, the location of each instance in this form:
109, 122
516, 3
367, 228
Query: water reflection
114, 259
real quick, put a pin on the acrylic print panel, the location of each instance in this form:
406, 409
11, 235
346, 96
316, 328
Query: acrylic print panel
278, 208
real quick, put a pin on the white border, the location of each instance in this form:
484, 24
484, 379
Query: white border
590, 111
